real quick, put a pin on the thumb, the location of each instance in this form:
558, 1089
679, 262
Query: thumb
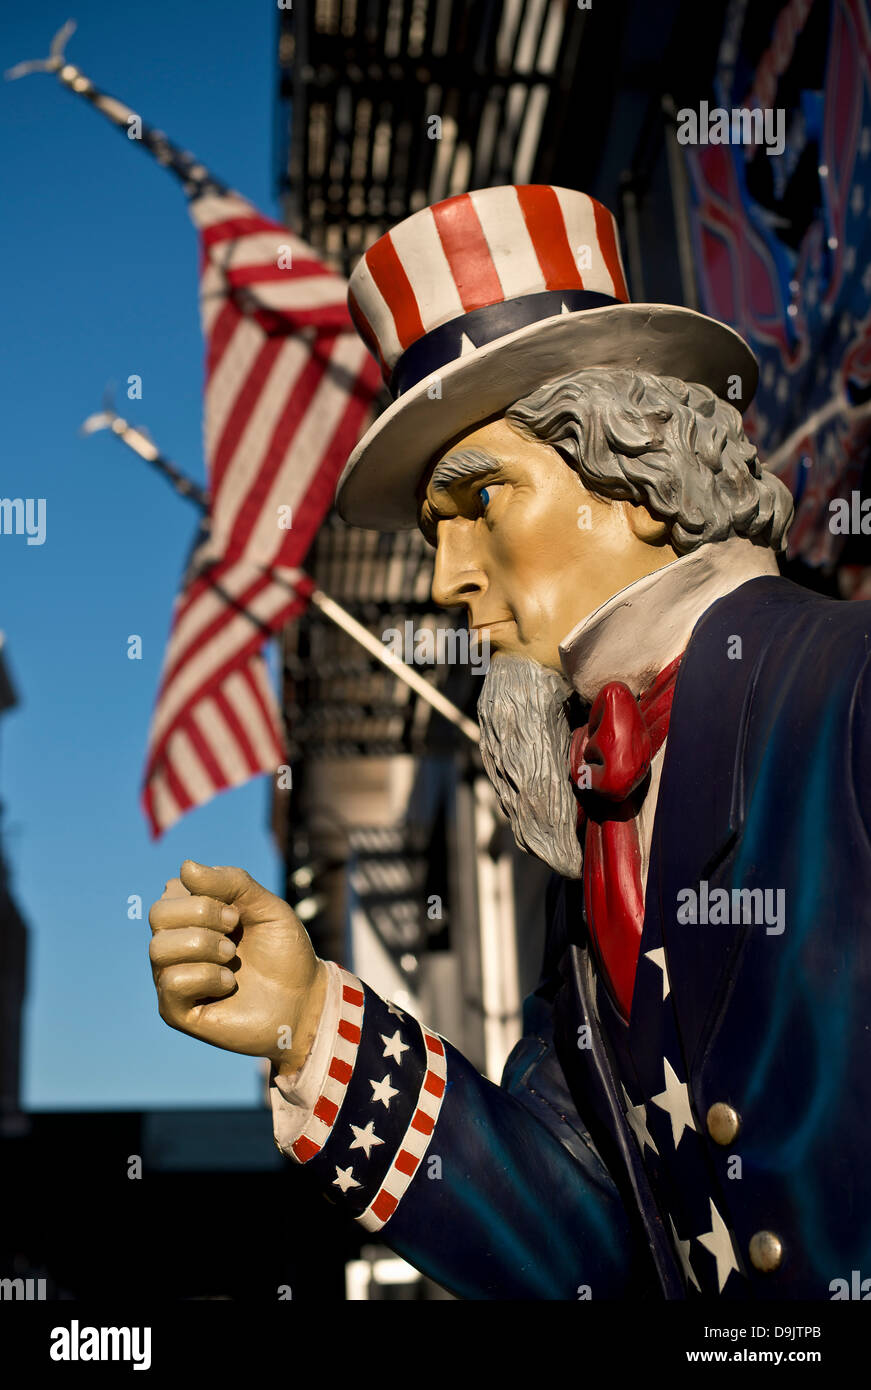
228, 884
174, 889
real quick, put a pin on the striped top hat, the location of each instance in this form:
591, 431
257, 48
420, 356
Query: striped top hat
474, 302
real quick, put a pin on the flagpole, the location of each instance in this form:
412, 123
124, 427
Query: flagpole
343, 619
194, 176
145, 448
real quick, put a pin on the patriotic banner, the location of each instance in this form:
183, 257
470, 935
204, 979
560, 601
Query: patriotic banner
289, 384
783, 246
289, 388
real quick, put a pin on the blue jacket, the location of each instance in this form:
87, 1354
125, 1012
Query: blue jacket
591, 1171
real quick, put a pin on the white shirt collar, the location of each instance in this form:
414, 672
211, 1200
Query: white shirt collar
645, 626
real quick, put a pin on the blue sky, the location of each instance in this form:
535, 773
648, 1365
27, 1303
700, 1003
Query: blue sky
100, 265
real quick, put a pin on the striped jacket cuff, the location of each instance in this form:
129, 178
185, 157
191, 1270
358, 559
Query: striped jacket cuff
294, 1097
367, 1132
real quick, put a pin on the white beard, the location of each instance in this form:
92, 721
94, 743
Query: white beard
525, 739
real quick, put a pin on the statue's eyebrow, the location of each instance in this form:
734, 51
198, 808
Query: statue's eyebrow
461, 466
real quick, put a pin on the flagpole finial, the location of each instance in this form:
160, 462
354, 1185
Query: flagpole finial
104, 418
55, 60
101, 421
194, 177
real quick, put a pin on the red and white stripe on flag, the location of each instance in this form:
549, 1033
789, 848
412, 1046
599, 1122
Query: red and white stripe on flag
289, 390
289, 384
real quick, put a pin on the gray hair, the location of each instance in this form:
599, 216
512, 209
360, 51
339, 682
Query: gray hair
525, 741
671, 445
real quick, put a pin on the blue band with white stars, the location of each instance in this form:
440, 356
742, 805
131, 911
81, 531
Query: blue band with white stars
390, 1071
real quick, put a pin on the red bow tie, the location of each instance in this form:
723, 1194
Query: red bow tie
609, 758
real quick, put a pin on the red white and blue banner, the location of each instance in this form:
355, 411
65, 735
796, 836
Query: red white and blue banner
783, 247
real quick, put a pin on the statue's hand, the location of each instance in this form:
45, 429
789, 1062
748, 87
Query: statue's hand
234, 966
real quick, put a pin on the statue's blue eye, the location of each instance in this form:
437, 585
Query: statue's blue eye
487, 494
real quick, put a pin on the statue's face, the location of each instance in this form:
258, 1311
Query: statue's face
525, 547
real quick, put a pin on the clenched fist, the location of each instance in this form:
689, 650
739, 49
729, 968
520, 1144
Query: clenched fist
233, 965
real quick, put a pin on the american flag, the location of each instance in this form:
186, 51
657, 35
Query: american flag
289, 389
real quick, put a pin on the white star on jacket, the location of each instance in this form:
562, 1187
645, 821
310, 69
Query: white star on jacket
345, 1177
365, 1138
719, 1242
658, 958
676, 1100
683, 1251
383, 1091
394, 1047
637, 1117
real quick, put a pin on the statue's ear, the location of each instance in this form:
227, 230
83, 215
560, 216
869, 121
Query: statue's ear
646, 527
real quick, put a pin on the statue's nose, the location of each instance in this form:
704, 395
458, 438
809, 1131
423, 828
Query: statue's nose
457, 577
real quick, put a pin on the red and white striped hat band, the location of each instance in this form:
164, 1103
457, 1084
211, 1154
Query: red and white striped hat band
477, 267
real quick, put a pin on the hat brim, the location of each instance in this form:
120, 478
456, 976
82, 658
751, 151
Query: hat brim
378, 488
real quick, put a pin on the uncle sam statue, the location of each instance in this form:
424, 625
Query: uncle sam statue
680, 733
